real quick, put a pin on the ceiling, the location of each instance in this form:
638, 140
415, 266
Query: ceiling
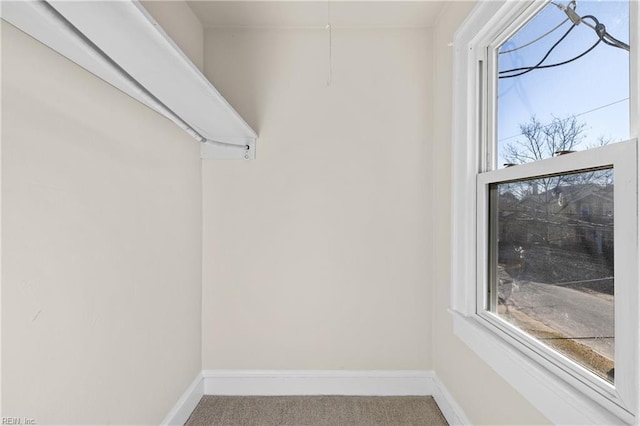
313, 14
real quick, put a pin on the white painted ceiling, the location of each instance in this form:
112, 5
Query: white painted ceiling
312, 14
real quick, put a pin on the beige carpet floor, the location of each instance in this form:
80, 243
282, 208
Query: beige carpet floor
316, 411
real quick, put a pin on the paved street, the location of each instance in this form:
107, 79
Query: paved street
586, 317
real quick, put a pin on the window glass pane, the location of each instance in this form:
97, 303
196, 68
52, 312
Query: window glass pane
545, 106
551, 271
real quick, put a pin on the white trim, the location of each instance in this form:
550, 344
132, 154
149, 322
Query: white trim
464, 155
320, 382
450, 409
139, 58
316, 382
180, 412
323, 382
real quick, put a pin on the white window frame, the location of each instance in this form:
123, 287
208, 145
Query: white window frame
557, 387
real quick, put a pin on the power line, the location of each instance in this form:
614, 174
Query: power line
599, 28
529, 69
573, 116
538, 66
534, 40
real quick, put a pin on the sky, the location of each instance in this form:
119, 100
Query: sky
599, 78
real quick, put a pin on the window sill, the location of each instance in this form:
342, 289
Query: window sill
560, 402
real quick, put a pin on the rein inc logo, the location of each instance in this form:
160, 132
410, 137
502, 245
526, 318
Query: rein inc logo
17, 421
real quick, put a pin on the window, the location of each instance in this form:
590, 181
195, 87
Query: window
545, 258
551, 270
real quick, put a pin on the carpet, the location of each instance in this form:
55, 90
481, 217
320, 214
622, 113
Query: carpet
316, 411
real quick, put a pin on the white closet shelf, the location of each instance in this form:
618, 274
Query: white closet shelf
122, 44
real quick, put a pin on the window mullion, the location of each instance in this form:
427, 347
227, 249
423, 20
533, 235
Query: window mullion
634, 69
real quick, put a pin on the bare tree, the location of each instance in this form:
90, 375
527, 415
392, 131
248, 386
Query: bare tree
542, 141
538, 200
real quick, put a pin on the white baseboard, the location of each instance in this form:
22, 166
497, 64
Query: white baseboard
323, 382
449, 407
180, 412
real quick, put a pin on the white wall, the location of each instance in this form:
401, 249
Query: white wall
101, 266
316, 255
484, 396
